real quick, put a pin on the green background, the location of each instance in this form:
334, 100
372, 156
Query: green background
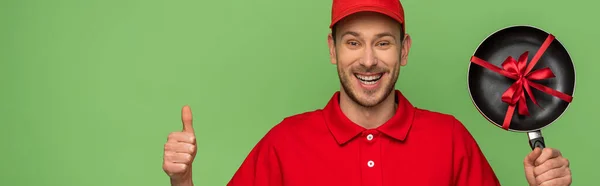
91, 89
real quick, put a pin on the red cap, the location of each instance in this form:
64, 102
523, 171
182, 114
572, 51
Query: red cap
343, 8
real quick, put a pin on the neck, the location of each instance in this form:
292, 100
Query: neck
368, 117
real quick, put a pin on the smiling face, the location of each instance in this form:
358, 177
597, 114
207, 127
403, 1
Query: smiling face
368, 50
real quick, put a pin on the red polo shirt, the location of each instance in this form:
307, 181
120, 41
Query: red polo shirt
324, 148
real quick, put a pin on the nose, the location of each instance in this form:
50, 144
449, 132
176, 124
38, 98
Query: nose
369, 58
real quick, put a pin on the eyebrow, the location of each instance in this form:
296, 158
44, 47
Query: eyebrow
380, 35
355, 34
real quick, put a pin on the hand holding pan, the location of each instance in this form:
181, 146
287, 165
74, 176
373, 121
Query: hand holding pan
521, 79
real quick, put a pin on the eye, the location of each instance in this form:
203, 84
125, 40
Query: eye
353, 44
383, 44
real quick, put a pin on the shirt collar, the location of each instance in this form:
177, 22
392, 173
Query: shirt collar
343, 129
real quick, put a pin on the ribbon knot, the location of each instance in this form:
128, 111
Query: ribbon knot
521, 72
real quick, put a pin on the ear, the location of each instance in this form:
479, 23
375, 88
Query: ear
332, 54
405, 48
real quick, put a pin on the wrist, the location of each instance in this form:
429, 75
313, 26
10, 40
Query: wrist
182, 182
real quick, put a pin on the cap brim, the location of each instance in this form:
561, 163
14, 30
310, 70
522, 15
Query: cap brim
376, 9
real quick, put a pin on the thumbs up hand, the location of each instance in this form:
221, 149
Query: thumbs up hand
180, 151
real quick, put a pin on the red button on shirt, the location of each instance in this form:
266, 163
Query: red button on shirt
324, 148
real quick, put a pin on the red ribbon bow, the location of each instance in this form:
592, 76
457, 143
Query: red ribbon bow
518, 71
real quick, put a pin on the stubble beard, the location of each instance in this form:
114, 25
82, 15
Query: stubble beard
346, 79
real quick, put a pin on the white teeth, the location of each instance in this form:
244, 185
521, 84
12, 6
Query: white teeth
368, 78
368, 82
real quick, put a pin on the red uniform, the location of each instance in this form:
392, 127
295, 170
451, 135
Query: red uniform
324, 148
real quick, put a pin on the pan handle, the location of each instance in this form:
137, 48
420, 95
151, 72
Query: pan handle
536, 139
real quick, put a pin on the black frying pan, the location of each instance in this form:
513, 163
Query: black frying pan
492, 72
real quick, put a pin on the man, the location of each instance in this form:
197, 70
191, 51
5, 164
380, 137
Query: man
368, 133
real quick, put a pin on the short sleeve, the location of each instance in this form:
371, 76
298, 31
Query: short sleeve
470, 165
261, 167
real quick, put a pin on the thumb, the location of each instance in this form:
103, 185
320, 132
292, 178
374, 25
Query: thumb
529, 165
532, 156
186, 119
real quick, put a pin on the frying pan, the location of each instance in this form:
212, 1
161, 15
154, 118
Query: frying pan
513, 65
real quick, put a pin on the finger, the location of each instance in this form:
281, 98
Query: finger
532, 156
174, 168
550, 164
565, 180
186, 119
528, 164
547, 153
181, 137
173, 157
551, 174
179, 147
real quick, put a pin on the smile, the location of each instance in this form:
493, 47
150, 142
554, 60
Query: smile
369, 79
